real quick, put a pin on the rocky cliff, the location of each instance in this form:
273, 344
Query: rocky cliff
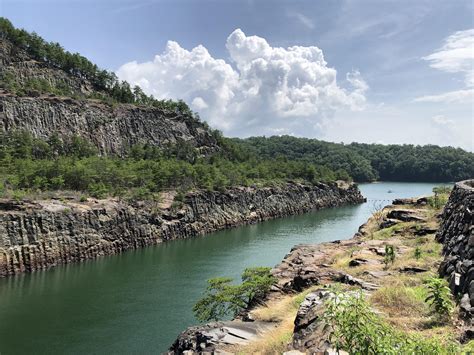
457, 235
112, 129
41, 234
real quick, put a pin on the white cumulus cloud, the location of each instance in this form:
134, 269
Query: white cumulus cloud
262, 90
455, 56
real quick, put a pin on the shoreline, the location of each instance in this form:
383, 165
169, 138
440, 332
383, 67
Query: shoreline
308, 271
37, 235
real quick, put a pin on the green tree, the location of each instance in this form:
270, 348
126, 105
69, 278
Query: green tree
223, 299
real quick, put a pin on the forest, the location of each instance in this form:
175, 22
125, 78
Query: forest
369, 162
30, 165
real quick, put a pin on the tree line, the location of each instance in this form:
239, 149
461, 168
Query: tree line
106, 84
29, 165
369, 162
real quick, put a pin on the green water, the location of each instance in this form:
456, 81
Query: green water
138, 302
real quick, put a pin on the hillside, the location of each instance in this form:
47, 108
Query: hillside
46, 91
368, 162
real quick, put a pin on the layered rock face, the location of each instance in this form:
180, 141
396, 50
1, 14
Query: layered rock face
112, 130
42, 234
457, 235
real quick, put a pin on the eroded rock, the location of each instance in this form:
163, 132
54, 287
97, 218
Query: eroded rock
41, 234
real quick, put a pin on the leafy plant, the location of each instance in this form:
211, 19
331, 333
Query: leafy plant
224, 299
441, 195
389, 257
354, 327
439, 298
417, 253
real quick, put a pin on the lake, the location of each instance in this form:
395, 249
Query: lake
139, 301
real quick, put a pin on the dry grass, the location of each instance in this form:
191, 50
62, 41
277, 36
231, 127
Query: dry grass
400, 300
282, 312
277, 310
275, 341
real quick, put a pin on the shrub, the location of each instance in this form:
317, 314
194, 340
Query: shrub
355, 328
389, 257
439, 298
98, 190
417, 253
441, 196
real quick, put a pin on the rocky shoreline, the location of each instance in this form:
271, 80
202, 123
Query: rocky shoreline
36, 235
356, 263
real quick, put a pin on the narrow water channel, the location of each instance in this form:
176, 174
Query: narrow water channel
137, 302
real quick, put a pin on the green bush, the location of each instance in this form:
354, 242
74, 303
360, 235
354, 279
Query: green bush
389, 257
417, 253
355, 328
224, 299
439, 298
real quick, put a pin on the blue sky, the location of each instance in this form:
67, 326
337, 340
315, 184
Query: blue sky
409, 62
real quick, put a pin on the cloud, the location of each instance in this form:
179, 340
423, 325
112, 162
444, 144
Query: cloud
459, 96
455, 56
262, 90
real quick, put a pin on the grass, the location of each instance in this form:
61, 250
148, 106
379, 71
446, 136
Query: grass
387, 233
282, 312
401, 296
400, 300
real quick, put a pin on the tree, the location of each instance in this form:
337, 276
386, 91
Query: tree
223, 299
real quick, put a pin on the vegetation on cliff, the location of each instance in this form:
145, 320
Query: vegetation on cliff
223, 299
29, 165
107, 86
368, 162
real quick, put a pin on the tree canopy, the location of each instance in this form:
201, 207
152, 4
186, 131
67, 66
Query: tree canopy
368, 162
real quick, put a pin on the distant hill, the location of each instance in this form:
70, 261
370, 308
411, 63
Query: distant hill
368, 162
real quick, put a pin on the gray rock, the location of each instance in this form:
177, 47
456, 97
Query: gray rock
38, 235
404, 215
456, 234
113, 130
208, 338
310, 333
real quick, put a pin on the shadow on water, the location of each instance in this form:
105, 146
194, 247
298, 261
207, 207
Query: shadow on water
138, 301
